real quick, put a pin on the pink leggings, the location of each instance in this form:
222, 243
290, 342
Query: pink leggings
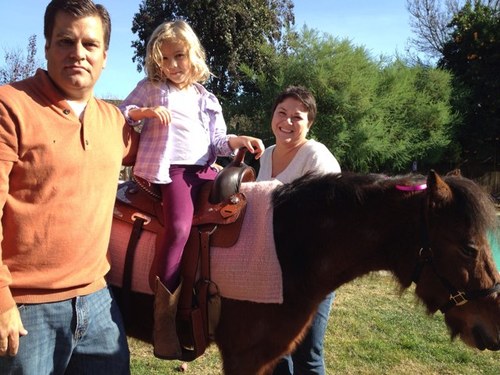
178, 208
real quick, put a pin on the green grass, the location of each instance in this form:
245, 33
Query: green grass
372, 330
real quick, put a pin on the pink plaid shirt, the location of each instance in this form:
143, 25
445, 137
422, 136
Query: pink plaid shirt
152, 161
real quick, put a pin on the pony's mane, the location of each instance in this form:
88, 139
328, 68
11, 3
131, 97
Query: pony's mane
347, 186
474, 203
353, 188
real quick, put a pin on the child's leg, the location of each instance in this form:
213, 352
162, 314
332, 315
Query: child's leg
178, 208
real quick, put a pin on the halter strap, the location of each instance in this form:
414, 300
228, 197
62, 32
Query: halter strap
461, 298
457, 298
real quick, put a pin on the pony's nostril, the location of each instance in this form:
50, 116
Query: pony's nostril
478, 334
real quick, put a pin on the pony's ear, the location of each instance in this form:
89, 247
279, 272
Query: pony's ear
455, 172
439, 191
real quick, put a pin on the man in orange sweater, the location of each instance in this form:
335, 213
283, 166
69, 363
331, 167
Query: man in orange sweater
60, 155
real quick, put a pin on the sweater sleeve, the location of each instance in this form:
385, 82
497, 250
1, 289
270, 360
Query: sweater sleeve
6, 299
8, 155
218, 129
319, 159
137, 98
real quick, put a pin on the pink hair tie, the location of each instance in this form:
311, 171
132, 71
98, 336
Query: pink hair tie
411, 188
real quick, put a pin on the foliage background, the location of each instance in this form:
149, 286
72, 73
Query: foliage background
438, 107
374, 115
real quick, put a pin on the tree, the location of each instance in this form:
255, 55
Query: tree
430, 21
232, 33
463, 37
473, 56
19, 66
372, 115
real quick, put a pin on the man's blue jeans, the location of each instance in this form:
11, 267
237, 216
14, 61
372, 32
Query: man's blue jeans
83, 335
308, 356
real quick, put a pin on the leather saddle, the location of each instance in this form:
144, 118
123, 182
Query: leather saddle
217, 221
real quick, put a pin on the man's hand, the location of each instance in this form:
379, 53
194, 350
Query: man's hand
11, 328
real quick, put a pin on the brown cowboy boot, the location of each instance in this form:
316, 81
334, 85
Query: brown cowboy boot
165, 341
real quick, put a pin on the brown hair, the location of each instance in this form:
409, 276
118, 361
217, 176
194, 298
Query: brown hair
78, 9
301, 94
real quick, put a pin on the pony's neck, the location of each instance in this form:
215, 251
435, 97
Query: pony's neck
380, 231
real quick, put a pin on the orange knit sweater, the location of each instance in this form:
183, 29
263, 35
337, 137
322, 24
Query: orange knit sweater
58, 179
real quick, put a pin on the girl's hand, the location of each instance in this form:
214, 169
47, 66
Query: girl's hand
159, 112
254, 145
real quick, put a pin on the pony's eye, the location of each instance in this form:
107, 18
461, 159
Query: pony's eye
469, 251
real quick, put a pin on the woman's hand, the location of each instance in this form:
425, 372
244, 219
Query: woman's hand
253, 145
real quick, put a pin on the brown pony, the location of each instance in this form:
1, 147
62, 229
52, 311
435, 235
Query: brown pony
334, 228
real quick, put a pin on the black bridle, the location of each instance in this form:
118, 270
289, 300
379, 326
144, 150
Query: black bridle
457, 297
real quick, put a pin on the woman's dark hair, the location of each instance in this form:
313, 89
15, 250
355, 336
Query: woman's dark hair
301, 94
78, 9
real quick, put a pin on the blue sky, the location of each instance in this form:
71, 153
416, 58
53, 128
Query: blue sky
381, 26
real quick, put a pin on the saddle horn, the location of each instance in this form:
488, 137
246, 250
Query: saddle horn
228, 180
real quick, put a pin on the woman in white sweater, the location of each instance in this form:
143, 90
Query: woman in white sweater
292, 156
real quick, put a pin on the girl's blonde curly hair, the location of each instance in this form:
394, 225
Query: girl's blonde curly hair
177, 31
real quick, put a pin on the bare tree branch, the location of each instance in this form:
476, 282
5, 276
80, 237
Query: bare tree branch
19, 65
429, 23
430, 19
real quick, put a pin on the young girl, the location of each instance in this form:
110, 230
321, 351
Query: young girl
183, 133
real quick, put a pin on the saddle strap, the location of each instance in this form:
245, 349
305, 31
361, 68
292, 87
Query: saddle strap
205, 233
135, 234
203, 288
209, 292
